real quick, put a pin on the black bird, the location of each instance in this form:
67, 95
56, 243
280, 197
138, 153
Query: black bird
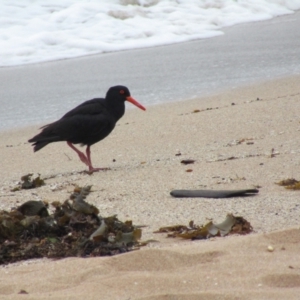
87, 124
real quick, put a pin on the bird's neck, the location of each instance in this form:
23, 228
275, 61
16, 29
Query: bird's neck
117, 110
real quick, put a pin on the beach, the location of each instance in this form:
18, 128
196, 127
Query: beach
230, 104
246, 137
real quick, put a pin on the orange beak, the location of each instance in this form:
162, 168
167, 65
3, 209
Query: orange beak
133, 101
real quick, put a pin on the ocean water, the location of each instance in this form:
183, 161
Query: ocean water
198, 51
38, 31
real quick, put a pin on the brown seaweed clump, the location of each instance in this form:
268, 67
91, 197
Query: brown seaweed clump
231, 225
73, 229
290, 184
29, 181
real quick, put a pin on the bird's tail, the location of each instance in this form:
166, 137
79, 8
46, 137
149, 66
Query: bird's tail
44, 138
37, 145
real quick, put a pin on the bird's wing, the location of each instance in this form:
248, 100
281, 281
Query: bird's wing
90, 107
83, 128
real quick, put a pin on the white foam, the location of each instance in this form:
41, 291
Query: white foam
37, 31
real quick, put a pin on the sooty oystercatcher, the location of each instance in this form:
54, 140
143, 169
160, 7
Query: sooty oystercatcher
87, 124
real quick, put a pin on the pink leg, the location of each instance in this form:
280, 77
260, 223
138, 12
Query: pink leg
91, 168
81, 155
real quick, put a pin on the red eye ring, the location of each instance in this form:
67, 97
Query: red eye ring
122, 92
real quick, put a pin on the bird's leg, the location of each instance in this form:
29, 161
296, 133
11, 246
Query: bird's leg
91, 168
81, 155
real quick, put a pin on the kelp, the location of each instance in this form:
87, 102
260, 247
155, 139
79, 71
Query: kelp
29, 181
231, 225
74, 228
290, 184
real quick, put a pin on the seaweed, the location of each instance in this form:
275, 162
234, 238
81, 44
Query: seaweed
74, 228
29, 181
231, 225
290, 184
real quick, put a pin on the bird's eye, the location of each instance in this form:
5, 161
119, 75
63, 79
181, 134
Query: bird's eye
122, 92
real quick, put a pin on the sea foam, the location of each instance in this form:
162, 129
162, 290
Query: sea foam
38, 31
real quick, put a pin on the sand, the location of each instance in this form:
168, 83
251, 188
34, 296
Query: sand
241, 138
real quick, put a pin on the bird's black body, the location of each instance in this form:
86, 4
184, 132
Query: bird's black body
88, 123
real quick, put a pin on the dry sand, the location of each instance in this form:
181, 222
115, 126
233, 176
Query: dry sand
258, 126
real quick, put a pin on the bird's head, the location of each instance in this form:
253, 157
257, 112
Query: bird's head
122, 92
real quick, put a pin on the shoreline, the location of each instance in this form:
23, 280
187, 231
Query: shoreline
212, 96
154, 75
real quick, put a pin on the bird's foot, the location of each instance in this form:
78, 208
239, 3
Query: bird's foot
92, 169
